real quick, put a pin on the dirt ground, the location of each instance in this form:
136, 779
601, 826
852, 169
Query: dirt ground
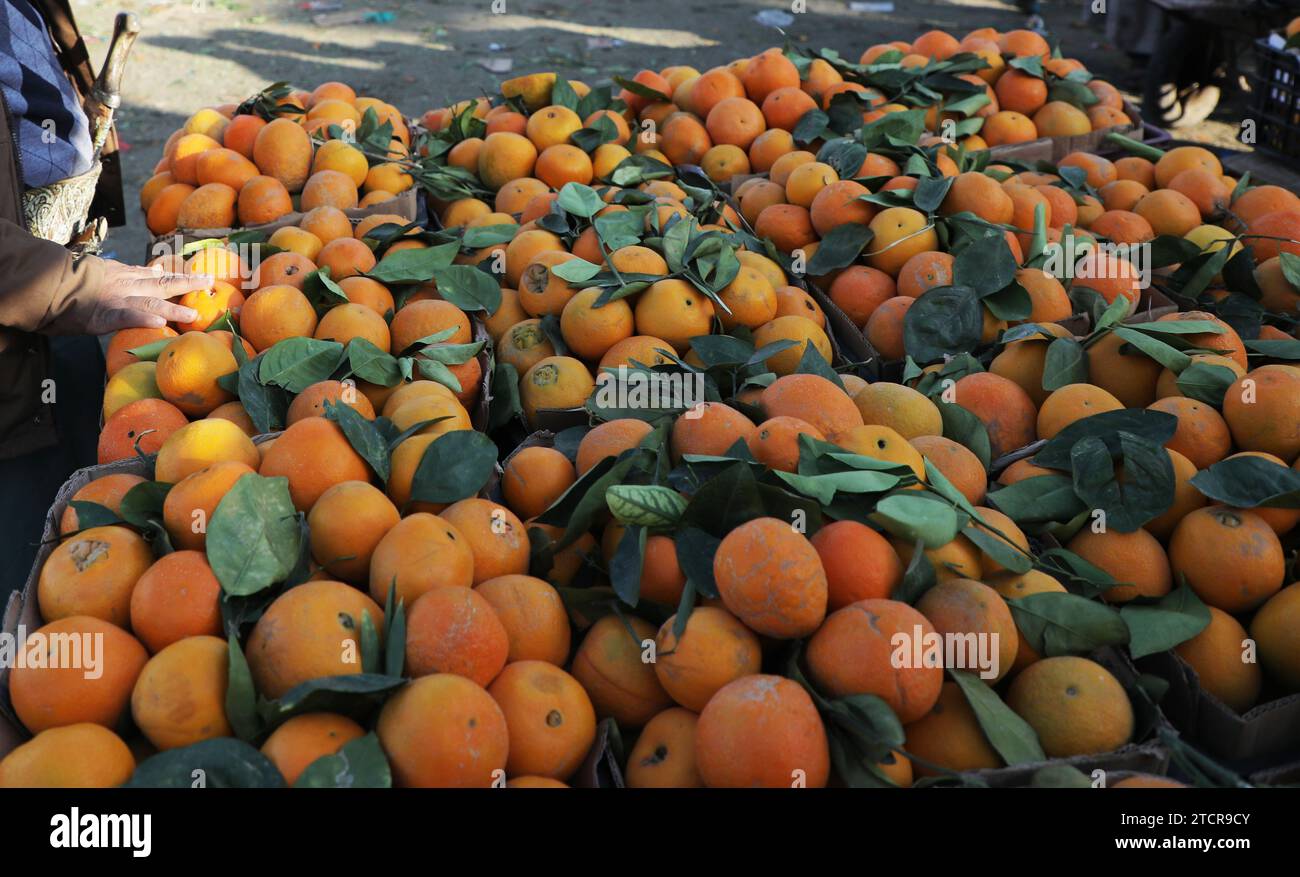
420, 55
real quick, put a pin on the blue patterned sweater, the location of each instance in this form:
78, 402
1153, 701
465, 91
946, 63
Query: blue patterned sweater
49, 124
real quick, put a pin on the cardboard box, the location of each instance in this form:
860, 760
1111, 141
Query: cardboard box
1286, 775
1143, 756
1270, 730
1054, 149
22, 607
1153, 305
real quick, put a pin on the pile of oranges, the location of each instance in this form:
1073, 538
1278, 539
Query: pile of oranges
281, 152
316, 285
749, 588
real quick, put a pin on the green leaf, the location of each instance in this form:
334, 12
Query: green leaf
1071, 92
1206, 382
468, 288
1176, 618
267, 407
505, 405
695, 550
645, 505
625, 566
297, 363
1066, 624
149, 352
241, 696
355, 694
1145, 493
1250, 482
997, 548
394, 632
839, 248
1154, 426
1006, 732
322, 291
578, 507
370, 652
454, 466
725, 501
479, 236
912, 515
1078, 573
1066, 363
943, 321
575, 270
363, 435
986, 265
642, 90
918, 578
824, 487
1288, 349
371, 364
1170, 357
930, 192
811, 125
253, 536
637, 169
811, 362
359, 764
563, 95
220, 763
1038, 500
963, 427
414, 265
580, 200
92, 514
590, 139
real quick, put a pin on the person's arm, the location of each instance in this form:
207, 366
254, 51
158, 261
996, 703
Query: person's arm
43, 289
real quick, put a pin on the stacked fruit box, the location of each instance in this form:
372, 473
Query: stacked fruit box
911, 531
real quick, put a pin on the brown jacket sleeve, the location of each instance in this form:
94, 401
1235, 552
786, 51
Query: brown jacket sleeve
41, 286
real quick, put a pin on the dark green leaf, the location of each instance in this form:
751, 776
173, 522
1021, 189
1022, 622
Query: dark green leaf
1005, 731
455, 466
359, 764
220, 763
297, 363
253, 537
1176, 618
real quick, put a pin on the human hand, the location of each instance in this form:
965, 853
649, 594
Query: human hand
134, 296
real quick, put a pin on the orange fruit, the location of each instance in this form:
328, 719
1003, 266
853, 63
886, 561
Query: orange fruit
419, 553
550, 718
713, 650
309, 631
609, 665
533, 615
80, 756
177, 597
761, 731
93, 573
179, 698
1074, 705
443, 731
54, 694
301, 740
1231, 559
455, 630
771, 578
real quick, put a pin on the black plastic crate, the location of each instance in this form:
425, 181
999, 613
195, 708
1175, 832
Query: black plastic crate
1277, 100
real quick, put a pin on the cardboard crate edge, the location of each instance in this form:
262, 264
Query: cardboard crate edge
1271, 728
